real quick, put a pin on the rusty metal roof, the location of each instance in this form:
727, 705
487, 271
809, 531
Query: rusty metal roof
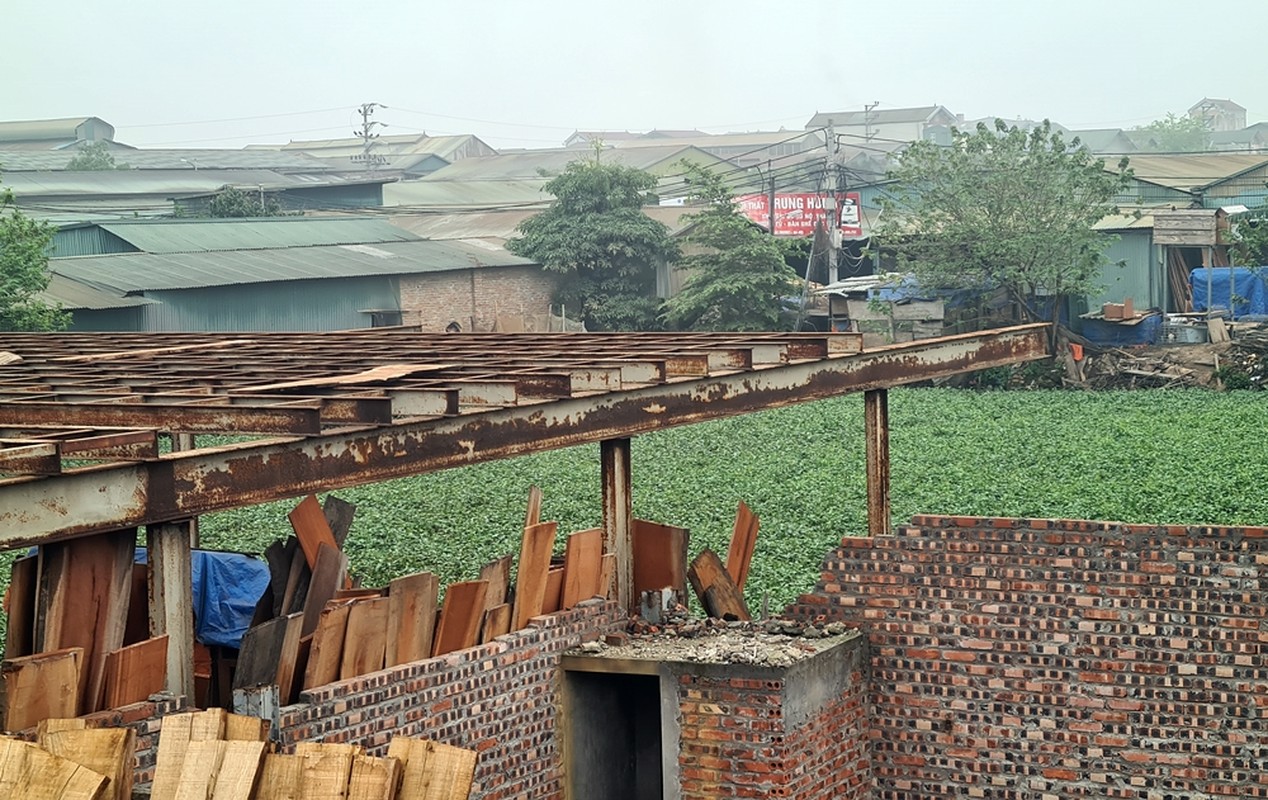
354, 407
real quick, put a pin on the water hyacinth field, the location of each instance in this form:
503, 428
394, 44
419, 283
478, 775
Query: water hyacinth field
1188, 456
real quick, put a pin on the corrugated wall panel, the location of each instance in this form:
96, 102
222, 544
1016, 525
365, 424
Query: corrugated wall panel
88, 241
319, 305
1136, 250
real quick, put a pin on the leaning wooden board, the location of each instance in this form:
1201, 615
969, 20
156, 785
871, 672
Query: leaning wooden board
311, 528
42, 686
411, 617
583, 566
660, 557
365, 639
433, 771
743, 540
27, 771
20, 606
108, 751
135, 672
717, 592
460, 618
531, 574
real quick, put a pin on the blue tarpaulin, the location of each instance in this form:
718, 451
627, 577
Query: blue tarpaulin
1118, 334
1248, 286
226, 588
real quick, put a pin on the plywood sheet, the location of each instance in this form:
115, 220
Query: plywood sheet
135, 672
531, 572
460, 618
583, 566
660, 557
411, 615
365, 639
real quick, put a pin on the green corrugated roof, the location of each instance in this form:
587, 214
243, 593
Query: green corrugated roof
136, 272
72, 294
212, 235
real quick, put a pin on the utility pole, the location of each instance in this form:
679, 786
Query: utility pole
770, 197
867, 119
367, 135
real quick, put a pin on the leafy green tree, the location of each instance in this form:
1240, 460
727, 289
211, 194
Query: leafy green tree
596, 236
1002, 208
234, 202
93, 157
1175, 135
738, 272
1250, 240
24, 272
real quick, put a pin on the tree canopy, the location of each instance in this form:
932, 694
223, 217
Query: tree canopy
235, 202
737, 273
1002, 208
1174, 134
606, 250
24, 271
93, 157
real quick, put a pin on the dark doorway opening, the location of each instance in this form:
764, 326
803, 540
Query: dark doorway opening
614, 736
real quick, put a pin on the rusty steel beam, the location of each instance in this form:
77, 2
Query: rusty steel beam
193, 418
876, 432
178, 486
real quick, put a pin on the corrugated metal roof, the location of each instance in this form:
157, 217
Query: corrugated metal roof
501, 225
134, 272
721, 140
424, 193
1192, 170
168, 183
394, 145
876, 116
209, 235
530, 163
35, 160
72, 294
32, 129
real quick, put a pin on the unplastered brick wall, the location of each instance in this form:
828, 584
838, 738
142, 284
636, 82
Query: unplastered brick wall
499, 699
1056, 659
474, 298
749, 732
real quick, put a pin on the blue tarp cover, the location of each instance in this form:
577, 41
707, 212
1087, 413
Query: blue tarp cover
226, 588
1248, 286
1115, 334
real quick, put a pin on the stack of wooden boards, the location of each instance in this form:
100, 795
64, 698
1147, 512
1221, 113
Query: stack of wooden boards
313, 627
660, 562
69, 761
78, 638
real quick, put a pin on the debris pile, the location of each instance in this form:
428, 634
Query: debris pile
769, 643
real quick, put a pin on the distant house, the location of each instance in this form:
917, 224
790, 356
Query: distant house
742, 149
1219, 115
1251, 139
586, 138
54, 134
1104, 140
895, 124
407, 155
210, 287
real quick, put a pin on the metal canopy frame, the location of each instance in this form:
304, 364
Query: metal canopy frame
350, 408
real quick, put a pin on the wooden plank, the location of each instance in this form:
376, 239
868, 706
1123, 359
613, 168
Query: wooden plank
239, 770
326, 653
583, 566
533, 513
326, 769
244, 728
433, 771
717, 592
107, 751
380, 374
298, 579
460, 618
288, 657
365, 640
498, 574
329, 575
530, 579
606, 574
356, 594
411, 617
339, 514
660, 557
42, 686
497, 621
27, 771
281, 778
279, 556
19, 605
171, 598
310, 525
554, 590
198, 770
176, 734
135, 672
260, 653
85, 585
373, 778
138, 627
743, 540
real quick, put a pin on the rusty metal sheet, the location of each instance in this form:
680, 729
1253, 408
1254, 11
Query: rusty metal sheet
185, 418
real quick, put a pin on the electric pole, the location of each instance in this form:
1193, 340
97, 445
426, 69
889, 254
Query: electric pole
867, 119
368, 136
770, 198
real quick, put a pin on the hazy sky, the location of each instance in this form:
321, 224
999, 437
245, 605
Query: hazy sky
527, 72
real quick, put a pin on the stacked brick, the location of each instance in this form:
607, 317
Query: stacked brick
499, 698
1046, 659
742, 736
475, 298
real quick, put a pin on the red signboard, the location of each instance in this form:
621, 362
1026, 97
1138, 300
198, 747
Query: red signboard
797, 214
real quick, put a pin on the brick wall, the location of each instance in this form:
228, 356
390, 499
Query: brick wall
1046, 659
500, 699
474, 298
749, 732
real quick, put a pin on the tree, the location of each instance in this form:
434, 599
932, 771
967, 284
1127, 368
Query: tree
739, 272
1250, 239
92, 157
24, 272
1175, 135
1002, 208
234, 202
596, 236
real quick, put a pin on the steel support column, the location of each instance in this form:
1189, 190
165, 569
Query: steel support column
172, 602
617, 517
876, 415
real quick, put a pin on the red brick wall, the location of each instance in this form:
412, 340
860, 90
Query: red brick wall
500, 699
474, 298
740, 736
1038, 659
